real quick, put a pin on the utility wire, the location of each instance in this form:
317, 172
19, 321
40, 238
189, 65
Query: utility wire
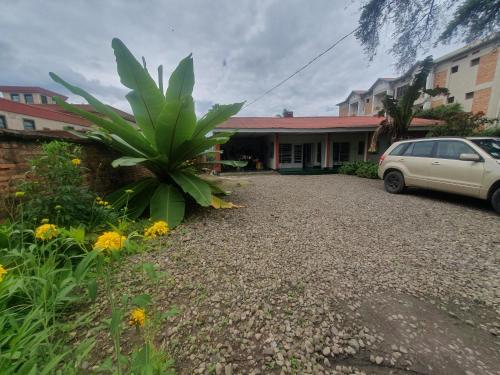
301, 68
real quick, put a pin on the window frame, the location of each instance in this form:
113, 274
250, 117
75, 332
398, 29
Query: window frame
469, 95
44, 99
29, 120
402, 147
26, 96
338, 159
12, 95
436, 149
297, 147
450, 99
475, 61
454, 69
281, 153
411, 148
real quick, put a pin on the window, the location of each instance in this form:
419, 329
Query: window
469, 95
3, 122
400, 91
399, 149
491, 146
28, 98
44, 99
271, 150
361, 147
318, 152
474, 62
452, 149
450, 99
454, 69
340, 152
28, 124
14, 97
285, 153
297, 153
423, 149
368, 100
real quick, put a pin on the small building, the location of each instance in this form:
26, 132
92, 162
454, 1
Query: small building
306, 143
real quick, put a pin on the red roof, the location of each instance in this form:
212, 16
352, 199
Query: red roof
30, 90
332, 122
45, 112
86, 107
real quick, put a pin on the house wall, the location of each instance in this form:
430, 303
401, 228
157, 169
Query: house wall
353, 139
15, 122
37, 98
300, 139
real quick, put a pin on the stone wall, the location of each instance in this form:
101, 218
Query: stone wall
18, 147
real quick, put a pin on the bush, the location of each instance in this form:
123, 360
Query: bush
365, 169
491, 132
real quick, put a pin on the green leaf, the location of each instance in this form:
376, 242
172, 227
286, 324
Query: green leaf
175, 125
92, 289
173, 311
126, 161
167, 203
217, 115
232, 163
145, 98
194, 186
119, 198
116, 322
150, 270
84, 265
142, 300
181, 82
139, 202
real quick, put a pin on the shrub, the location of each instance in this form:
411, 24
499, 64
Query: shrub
364, 169
54, 188
168, 139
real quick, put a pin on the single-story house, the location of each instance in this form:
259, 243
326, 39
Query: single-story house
281, 143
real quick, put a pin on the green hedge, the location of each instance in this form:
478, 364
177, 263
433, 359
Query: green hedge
365, 169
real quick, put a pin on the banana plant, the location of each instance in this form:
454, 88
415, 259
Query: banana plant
167, 138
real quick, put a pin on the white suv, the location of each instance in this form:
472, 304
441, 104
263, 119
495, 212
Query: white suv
468, 166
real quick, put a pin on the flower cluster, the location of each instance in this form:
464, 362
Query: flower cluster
46, 232
76, 161
137, 317
102, 202
20, 194
159, 228
111, 241
3, 271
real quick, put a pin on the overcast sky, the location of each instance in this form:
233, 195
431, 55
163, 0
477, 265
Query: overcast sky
241, 48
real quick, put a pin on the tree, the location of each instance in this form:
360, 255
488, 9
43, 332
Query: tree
168, 139
400, 112
418, 24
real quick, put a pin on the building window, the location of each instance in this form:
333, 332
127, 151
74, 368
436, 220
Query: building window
368, 100
361, 147
297, 153
3, 122
450, 99
318, 152
474, 62
44, 99
28, 124
28, 98
285, 153
469, 95
14, 97
400, 91
454, 69
340, 152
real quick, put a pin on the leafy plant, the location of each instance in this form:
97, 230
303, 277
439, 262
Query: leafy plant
365, 169
168, 139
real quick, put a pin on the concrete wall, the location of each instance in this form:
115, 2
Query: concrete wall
15, 122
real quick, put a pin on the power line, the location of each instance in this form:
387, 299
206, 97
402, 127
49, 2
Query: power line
301, 68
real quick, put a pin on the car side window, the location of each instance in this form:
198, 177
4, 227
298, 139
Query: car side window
423, 149
399, 149
453, 149
408, 150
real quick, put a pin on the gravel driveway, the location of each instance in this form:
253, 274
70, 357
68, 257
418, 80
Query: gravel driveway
328, 275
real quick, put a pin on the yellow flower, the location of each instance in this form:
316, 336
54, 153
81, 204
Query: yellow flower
110, 241
45, 221
129, 191
20, 194
3, 271
58, 207
76, 161
137, 317
159, 228
46, 232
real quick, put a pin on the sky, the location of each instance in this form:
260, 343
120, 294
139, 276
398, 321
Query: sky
241, 48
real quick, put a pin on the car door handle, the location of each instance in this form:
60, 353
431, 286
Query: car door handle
436, 163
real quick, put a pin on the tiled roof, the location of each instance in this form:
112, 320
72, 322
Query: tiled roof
30, 90
88, 108
42, 111
333, 122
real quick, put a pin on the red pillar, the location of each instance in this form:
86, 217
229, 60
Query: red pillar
276, 151
217, 167
327, 164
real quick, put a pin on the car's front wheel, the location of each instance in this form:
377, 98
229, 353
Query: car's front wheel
394, 182
495, 200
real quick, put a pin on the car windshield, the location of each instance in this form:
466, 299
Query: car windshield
491, 146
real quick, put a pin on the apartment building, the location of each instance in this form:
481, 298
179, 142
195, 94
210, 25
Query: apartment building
34, 109
471, 74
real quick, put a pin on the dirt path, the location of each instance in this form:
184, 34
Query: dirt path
330, 274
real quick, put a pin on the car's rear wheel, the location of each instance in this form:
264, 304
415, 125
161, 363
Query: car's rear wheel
495, 200
394, 182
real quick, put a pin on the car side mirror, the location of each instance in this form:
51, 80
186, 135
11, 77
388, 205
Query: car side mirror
470, 157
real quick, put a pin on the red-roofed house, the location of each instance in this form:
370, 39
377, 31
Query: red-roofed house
306, 142
29, 94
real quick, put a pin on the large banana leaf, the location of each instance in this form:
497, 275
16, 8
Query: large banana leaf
181, 81
193, 186
217, 115
167, 203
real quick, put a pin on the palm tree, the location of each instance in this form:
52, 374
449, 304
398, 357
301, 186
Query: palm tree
400, 112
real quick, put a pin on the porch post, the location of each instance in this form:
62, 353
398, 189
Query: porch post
217, 167
327, 153
276, 151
